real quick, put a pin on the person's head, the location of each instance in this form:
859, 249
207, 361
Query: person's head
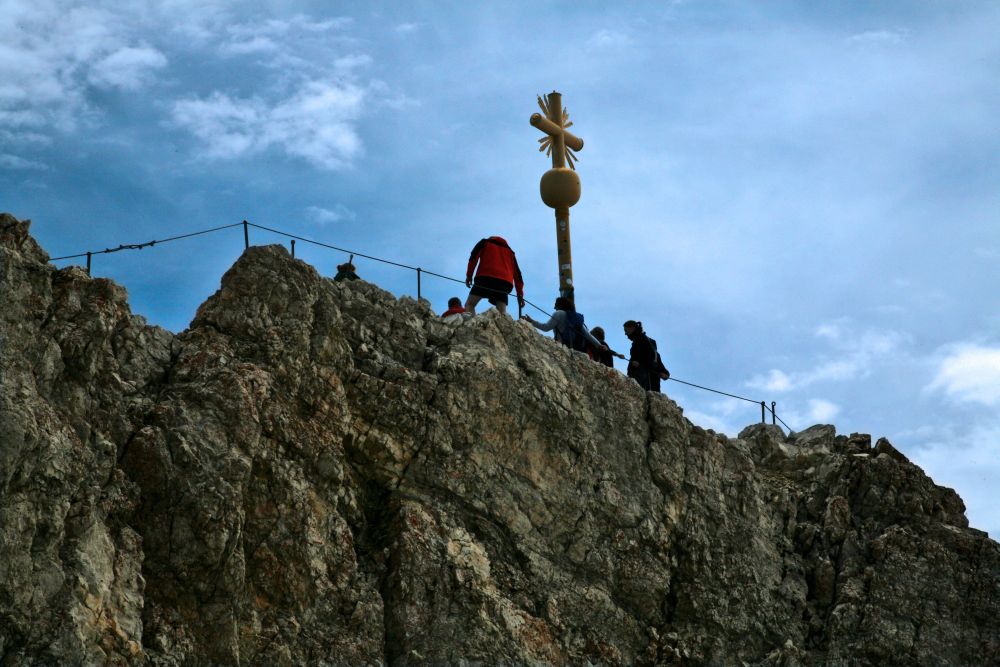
562, 303
598, 333
632, 328
346, 266
454, 302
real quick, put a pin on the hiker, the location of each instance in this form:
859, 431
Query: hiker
496, 275
455, 310
659, 371
642, 355
345, 271
602, 354
568, 325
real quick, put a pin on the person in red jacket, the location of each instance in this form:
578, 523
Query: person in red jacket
496, 275
455, 307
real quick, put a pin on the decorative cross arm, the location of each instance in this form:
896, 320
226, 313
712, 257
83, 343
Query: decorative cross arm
560, 142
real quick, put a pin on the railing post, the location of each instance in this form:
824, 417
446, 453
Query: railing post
293, 248
774, 415
246, 235
88, 262
763, 412
418, 283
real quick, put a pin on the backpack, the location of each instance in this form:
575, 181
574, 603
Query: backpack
658, 367
572, 336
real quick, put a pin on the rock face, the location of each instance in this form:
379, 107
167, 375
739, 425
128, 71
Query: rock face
318, 473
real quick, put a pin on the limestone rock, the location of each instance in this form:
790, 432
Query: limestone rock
320, 473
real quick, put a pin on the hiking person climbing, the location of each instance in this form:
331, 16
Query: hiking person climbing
455, 307
568, 325
497, 274
345, 271
642, 355
602, 354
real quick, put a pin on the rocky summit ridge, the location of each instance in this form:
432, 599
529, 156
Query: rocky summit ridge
318, 473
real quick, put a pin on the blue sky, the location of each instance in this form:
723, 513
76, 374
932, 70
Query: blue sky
800, 200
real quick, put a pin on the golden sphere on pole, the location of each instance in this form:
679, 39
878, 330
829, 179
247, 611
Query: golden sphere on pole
560, 187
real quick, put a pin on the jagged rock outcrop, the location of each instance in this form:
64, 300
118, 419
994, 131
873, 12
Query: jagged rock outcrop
319, 473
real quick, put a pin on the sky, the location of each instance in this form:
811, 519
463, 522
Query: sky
799, 200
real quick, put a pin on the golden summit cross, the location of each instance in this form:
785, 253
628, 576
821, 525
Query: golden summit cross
560, 186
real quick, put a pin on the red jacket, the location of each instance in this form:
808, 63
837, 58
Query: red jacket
496, 260
454, 310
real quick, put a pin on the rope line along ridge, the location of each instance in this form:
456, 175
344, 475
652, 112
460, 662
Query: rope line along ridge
245, 224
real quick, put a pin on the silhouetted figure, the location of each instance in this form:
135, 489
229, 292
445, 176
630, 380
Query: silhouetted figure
659, 371
345, 271
602, 353
497, 274
642, 355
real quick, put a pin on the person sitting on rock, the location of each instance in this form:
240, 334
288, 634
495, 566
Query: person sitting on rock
602, 354
345, 271
496, 275
568, 325
455, 310
642, 355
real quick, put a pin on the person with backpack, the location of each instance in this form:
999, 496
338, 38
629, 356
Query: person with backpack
568, 325
497, 274
659, 371
346, 271
642, 355
602, 354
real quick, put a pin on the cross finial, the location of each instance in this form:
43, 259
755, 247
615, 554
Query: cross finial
559, 142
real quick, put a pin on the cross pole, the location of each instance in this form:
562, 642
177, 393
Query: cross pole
560, 186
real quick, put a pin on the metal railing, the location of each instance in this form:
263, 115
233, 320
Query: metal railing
420, 271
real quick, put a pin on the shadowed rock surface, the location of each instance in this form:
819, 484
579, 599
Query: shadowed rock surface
318, 473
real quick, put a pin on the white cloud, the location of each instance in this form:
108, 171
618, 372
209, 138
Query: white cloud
325, 216
50, 53
127, 68
822, 411
855, 354
970, 373
406, 28
256, 44
8, 161
710, 421
347, 64
879, 38
775, 380
275, 36
316, 123
605, 38
967, 461
831, 331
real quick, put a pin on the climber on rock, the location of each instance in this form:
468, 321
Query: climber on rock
455, 310
346, 271
642, 355
602, 354
496, 275
568, 325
